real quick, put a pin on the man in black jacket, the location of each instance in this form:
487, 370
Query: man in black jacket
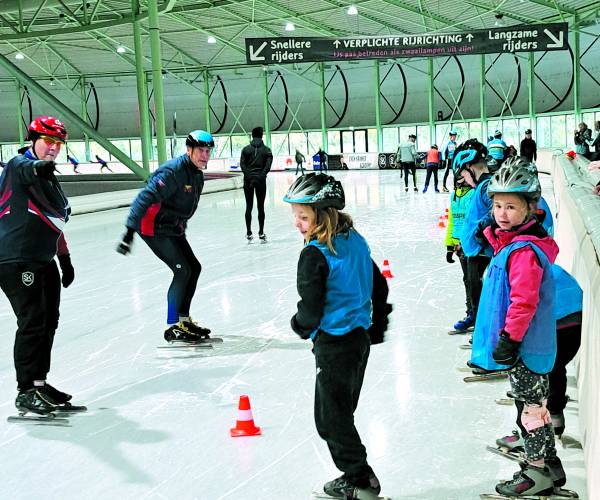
528, 147
33, 213
255, 162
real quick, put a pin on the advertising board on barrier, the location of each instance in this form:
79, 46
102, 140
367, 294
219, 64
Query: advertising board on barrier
361, 160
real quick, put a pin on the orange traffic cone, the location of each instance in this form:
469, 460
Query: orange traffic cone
441, 222
244, 425
386, 272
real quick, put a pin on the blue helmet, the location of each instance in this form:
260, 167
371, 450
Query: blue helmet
317, 190
200, 139
467, 154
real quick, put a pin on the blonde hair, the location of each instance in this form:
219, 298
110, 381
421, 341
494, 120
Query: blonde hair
329, 223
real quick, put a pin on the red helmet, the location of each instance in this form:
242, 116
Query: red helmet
50, 126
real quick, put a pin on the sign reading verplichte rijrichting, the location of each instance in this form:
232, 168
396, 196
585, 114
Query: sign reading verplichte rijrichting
522, 38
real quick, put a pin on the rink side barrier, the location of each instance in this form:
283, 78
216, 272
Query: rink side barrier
577, 233
119, 199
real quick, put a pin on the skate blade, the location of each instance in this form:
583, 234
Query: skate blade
186, 345
569, 442
514, 456
487, 377
460, 332
72, 410
558, 493
322, 494
465, 347
211, 340
505, 401
47, 419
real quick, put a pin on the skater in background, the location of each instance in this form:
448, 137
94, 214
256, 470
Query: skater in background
459, 202
323, 167
73, 161
299, 162
339, 285
432, 162
528, 148
159, 214
497, 148
255, 162
408, 156
516, 329
30, 239
448, 157
103, 164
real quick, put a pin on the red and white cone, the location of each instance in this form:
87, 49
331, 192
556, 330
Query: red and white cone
245, 422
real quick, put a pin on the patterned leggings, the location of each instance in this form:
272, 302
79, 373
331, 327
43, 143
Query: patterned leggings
531, 394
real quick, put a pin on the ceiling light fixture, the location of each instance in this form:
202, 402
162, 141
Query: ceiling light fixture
352, 10
289, 26
121, 49
499, 21
52, 84
211, 39
19, 56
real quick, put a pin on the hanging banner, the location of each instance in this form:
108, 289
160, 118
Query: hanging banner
522, 38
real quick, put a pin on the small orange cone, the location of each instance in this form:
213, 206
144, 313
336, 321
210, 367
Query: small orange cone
446, 210
386, 272
244, 425
441, 222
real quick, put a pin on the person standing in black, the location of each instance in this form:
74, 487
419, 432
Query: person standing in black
528, 147
322, 160
33, 212
255, 162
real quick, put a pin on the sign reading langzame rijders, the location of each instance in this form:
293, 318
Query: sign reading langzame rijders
522, 38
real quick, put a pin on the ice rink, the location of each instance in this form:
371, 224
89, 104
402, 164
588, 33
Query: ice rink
158, 421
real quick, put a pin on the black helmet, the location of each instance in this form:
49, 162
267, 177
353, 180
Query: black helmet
318, 190
517, 175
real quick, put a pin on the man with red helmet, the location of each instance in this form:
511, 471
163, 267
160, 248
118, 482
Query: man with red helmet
33, 212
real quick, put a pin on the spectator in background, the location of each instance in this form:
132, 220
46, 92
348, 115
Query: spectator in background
408, 156
432, 163
528, 147
322, 160
583, 139
596, 142
343, 164
510, 152
299, 161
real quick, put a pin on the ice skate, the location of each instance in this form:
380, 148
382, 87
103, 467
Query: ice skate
464, 325
249, 237
36, 407
262, 237
558, 422
342, 488
511, 447
56, 395
481, 375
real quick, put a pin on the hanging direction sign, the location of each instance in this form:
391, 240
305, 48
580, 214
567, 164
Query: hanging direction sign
522, 38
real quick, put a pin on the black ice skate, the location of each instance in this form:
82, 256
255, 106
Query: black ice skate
342, 488
34, 406
56, 395
481, 375
188, 334
511, 447
558, 423
249, 237
262, 237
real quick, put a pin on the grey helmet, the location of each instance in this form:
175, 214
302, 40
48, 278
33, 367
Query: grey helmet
317, 190
516, 176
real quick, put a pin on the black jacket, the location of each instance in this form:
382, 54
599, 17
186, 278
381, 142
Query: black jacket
528, 149
256, 160
33, 212
169, 199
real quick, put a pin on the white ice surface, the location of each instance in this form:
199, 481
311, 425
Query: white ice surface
158, 425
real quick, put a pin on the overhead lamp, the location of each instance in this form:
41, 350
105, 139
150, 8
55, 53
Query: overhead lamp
352, 10
211, 39
121, 49
19, 56
499, 21
52, 84
289, 26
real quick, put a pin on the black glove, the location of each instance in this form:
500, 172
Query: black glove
68, 273
507, 350
44, 168
449, 253
380, 325
124, 246
481, 225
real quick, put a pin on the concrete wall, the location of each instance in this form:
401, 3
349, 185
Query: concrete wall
578, 236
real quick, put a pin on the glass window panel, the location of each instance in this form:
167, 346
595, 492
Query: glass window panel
222, 147
360, 141
524, 124
9, 151
474, 132
558, 135
390, 139
334, 140
239, 142
405, 132
588, 119
462, 132
423, 138
441, 133
571, 125
298, 142
347, 141
510, 132
136, 150
543, 130
493, 125
372, 140
76, 149
314, 142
